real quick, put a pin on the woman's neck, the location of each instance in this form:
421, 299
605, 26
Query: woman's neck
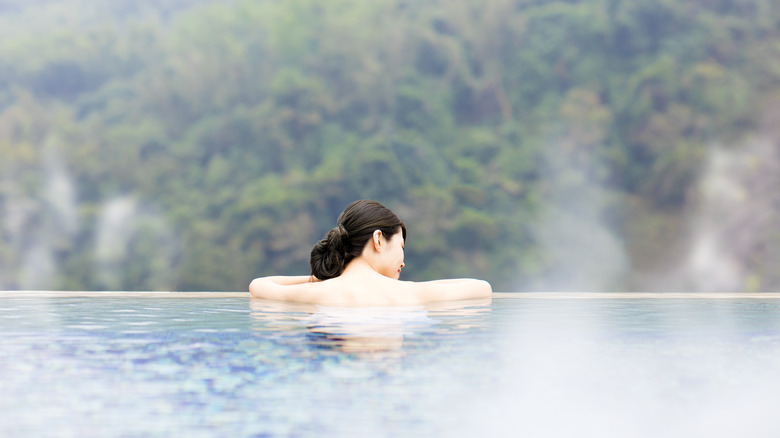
359, 265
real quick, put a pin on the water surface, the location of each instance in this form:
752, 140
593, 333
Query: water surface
530, 366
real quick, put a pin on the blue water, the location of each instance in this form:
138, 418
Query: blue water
119, 366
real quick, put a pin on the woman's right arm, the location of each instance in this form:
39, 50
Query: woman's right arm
285, 288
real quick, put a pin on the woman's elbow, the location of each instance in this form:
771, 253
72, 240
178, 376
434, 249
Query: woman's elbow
256, 287
484, 288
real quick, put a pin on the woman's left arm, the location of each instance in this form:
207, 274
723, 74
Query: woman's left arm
452, 289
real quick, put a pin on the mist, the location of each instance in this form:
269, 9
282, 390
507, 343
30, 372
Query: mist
573, 368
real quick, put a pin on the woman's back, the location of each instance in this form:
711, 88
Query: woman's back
367, 288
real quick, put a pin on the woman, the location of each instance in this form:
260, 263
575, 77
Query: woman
359, 262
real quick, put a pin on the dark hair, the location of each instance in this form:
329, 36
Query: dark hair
346, 241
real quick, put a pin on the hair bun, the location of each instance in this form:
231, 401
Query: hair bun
328, 257
337, 239
342, 233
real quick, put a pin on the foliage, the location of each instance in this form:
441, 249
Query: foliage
235, 132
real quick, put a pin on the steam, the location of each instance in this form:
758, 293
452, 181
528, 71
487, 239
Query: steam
587, 255
60, 193
574, 373
130, 237
711, 264
39, 228
113, 232
41, 224
728, 243
582, 251
735, 219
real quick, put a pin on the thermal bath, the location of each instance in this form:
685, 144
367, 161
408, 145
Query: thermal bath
222, 364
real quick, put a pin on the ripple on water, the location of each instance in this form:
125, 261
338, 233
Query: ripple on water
200, 367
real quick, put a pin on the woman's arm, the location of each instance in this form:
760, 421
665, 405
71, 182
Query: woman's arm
285, 288
287, 280
452, 289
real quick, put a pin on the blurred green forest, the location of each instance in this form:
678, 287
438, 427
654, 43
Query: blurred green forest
538, 144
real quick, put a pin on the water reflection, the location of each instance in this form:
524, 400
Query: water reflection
367, 331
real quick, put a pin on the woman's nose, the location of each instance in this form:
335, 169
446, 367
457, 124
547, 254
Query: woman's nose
403, 264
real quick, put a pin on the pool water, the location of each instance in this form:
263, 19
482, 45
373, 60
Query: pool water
521, 365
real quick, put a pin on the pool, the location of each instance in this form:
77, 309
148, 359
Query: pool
221, 364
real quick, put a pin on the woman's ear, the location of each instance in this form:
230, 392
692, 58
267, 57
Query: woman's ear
377, 239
